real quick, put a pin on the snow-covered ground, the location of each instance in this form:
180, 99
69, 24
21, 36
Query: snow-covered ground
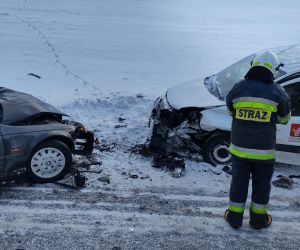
102, 60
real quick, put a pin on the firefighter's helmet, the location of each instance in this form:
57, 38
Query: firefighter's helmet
267, 59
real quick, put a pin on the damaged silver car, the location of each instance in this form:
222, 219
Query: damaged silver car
192, 118
37, 139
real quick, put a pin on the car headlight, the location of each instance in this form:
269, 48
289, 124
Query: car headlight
82, 130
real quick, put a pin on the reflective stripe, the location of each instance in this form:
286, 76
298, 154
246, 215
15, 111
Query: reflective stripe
258, 209
255, 64
257, 105
255, 154
267, 65
284, 120
236, 207
252, 151
255, 99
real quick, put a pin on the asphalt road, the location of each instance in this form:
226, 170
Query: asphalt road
60, 218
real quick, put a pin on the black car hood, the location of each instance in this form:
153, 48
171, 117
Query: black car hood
17, 106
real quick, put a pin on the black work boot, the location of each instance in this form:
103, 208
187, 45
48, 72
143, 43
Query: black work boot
260, 221
234, 219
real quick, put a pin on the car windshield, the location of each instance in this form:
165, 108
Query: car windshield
220, 84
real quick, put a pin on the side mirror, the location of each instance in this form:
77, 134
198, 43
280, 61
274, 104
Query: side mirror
279, 66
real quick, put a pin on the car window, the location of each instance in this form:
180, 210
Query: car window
293, 90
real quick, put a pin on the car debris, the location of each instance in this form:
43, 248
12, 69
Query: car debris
80, 180
35, 75
104, 179
175, 165
121, 119
85, 162
106, 147
121, 125
284, 182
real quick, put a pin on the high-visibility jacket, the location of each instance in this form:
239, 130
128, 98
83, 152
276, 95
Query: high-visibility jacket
256, 107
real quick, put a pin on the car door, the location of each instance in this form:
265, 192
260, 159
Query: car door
288, 136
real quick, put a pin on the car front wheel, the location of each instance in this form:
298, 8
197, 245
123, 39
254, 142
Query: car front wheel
216, 149
50, 161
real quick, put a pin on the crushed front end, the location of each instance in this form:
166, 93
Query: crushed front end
174, 132
83, 139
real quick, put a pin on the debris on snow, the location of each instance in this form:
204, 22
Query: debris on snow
175, 166
284, 182
86, 162
141, 149
105, 179
134, 176
35, 75
121, 119
121, 125
106, 147
79, 179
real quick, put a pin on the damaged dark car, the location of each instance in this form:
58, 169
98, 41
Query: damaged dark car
37, 139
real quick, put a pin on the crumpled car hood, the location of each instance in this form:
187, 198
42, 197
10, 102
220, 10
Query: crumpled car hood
192, 94
17, 106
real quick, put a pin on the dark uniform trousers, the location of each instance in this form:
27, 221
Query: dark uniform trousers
261, 174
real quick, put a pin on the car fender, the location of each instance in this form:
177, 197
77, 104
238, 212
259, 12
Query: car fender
216, 119
19, 147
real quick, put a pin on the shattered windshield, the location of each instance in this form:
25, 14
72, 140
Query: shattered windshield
221, 83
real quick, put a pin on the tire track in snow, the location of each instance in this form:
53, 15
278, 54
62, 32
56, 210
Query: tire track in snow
127, 202
68, 217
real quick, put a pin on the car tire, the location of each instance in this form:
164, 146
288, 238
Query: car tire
50, 161
215, 149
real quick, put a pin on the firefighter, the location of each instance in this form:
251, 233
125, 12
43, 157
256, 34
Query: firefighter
256, 105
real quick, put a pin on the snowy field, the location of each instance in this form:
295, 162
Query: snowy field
100, 60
